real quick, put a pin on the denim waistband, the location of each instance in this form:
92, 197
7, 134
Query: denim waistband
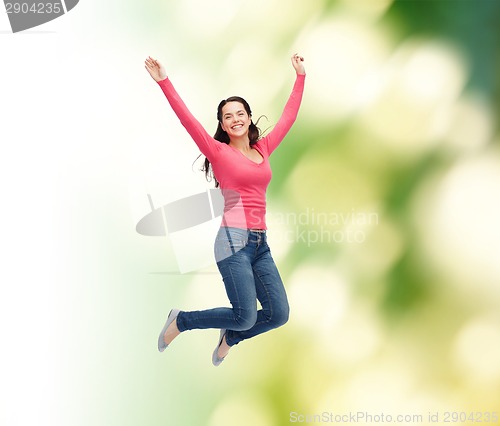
261, 231
227, 228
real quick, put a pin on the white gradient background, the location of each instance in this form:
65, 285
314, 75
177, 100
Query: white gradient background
86, 134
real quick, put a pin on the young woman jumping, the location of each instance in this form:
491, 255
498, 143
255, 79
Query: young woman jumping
239, 160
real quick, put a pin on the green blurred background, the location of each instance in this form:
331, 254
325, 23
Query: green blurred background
382, 212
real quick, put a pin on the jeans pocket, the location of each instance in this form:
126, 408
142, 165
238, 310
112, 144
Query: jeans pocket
226, 246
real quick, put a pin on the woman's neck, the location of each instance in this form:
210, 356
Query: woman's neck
243, 143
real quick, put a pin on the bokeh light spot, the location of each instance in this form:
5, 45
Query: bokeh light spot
477, 350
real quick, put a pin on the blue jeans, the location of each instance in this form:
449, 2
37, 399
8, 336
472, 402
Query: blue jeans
249, 273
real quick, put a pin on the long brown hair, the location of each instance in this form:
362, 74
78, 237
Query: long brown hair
221, 135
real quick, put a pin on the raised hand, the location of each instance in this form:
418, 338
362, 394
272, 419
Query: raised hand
297, 64
156, 70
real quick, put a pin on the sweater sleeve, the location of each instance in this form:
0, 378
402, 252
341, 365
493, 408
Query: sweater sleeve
290, 112
207, 145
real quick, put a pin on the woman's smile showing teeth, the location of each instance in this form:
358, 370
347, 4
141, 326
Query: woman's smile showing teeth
235, 119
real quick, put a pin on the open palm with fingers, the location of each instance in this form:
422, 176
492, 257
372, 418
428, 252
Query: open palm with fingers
156, 70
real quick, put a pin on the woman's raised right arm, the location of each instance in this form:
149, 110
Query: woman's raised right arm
207, 145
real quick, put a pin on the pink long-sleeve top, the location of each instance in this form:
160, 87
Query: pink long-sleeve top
243, 182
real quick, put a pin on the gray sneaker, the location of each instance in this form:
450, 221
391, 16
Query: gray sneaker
171, 317
215, 358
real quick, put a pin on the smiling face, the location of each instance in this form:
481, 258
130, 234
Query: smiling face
235, 120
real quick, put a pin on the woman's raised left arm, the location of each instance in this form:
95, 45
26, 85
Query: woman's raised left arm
291, 110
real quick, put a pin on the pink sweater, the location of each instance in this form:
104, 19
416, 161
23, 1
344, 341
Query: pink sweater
243, 182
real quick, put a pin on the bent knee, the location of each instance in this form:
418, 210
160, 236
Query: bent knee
245, 320
280, 316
